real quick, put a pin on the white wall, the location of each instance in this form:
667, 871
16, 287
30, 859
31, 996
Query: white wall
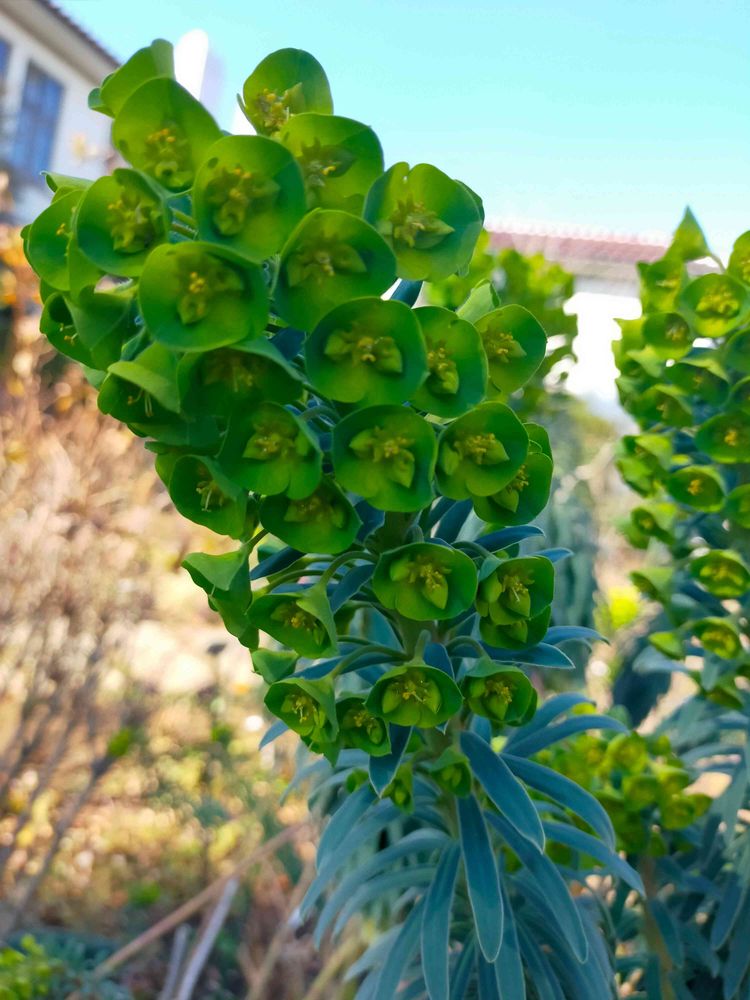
593, 377
78, 131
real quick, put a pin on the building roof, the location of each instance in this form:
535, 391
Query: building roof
594, 254
50, 25
578, 243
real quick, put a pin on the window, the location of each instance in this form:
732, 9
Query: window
37, 123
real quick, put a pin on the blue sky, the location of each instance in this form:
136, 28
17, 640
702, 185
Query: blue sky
611, 114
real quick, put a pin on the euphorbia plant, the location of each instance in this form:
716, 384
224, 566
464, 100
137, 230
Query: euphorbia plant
684, 367
236, 302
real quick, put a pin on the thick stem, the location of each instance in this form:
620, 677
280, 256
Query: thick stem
652, 934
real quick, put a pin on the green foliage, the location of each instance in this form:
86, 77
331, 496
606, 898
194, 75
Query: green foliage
690, 459
227, 297
33, 970
683, 366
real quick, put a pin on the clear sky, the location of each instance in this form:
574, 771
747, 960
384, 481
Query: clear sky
611, 114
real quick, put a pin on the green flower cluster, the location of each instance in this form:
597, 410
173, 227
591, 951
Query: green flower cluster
685, 378
227, 296
640, 782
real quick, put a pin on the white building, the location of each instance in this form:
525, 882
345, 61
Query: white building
48, 66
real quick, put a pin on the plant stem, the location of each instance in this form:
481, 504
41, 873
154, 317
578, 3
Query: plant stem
651, 931
183, 217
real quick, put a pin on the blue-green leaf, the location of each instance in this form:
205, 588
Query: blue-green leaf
501, 539
505, 790
436, 926
272, 733
462, 970
383, 814
508, 964
552, 888
382, 769
399, 954
533, 743
481, 877
584, 842
374, 888
487, 980
416, 842
729, 909
566, 793
562, 633
341, 823
543, 978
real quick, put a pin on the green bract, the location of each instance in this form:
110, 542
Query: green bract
738, 506
201, 492
668, 334
722, 573
654, 520
157, 60
330, 257
500, 692
514, 343
719, 636
119, 219
142, 392
725, 437
661, 283
48, 240
665, 404
299, 619
431, 221
196, 296
514, 599
737, 352
222, 381
248, 195
307, 707
285, 83
451, 772
401, 790
367, 351
323, 521
415, 695
524, 497
456, 364
360, 729
715, 304
697, 486
481, 452
269, 450
102, 322
339, 159
740, 395
226, 581
273, 664
425, 581
386, 454
163, 131
701, 375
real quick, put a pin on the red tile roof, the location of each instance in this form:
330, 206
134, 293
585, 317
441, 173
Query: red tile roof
578, 244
